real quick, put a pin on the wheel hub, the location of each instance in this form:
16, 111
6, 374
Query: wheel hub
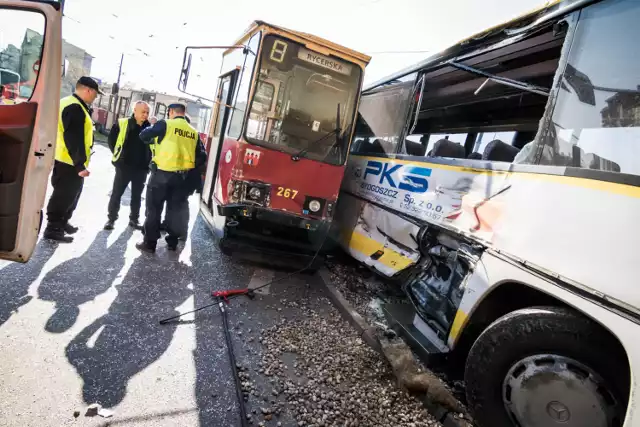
556, 391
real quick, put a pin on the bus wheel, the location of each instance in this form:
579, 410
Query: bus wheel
546, 366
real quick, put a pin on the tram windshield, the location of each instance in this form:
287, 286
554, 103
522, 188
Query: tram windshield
299, 98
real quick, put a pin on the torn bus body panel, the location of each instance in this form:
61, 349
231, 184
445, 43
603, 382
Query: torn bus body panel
439, 283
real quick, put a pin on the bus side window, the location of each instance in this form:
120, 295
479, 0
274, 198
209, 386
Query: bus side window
596, 118
446, 145
495, 147
416, 145
381, 119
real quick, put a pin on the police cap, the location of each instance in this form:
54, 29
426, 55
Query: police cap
90, 83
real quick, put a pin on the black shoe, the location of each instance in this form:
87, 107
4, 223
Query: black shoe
57, 235
172, 242
109, 225
70, 229
135, 224
143, 247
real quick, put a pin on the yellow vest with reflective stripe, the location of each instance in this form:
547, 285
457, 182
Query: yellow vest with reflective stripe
123, 124
62, 154
177, 150
153, 146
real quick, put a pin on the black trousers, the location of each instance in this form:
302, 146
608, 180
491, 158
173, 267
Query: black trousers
67, 187
124, 176
166, 187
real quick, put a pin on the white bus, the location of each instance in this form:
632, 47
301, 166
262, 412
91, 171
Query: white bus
498, 182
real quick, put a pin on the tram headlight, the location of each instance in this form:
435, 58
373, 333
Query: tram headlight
255, 193
314, 206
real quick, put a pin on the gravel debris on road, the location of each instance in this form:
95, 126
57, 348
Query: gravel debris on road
337, 380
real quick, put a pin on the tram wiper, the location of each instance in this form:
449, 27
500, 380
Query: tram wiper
336, 131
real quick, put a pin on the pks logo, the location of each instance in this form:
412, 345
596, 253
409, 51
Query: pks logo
407, 178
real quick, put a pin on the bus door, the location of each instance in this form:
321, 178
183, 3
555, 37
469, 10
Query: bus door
32, 48
222, 108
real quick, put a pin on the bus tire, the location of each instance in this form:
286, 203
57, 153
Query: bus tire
558, 347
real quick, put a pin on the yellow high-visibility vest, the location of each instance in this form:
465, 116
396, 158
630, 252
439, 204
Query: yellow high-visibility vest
62, 154
153, 146
123, 124
177, 150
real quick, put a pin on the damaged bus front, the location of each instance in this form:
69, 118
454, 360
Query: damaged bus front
498, 183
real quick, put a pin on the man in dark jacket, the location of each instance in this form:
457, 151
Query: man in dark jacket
131, 157
178, 152
74, 145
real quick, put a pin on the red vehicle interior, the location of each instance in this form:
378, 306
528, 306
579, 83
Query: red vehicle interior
16, 131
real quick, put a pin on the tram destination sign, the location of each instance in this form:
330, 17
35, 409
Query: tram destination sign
324, 61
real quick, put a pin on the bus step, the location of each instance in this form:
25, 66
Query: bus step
401, 320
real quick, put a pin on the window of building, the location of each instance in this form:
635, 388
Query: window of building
596, 119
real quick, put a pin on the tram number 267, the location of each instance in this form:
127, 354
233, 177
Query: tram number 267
287, 193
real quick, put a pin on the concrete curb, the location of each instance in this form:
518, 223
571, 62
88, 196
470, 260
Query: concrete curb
368, 334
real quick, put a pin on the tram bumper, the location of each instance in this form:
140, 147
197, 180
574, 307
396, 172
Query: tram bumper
273, 237
275, 217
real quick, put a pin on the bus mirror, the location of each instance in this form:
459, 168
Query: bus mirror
581, 84
184, 74
115, 89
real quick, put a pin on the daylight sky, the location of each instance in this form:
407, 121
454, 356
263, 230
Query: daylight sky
162, 28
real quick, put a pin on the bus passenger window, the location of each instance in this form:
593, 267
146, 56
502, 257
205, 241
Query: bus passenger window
596, 119
416, 145
452, 145
486, 137
381, 118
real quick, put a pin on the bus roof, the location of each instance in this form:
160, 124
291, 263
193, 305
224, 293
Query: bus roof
308, 37
523, 23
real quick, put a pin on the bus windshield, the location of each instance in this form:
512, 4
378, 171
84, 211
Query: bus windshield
297, 99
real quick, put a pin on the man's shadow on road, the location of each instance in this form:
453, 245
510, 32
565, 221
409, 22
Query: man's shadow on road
128, 338
82, 279
16, 278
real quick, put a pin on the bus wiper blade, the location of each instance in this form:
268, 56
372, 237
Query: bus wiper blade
337, 131
501, 80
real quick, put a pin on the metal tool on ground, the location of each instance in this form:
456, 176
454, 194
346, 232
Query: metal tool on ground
224, 296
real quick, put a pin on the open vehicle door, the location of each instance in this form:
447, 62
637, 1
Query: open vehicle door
197, 80
31, 46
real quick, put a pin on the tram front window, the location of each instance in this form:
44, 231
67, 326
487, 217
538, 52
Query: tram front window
297, 98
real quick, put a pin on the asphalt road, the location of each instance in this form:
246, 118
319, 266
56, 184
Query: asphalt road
79, 324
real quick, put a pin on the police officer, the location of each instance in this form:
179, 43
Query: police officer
73, 151
178, 151
131, 158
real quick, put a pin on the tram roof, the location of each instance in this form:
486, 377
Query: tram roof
308, 37
522, 24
